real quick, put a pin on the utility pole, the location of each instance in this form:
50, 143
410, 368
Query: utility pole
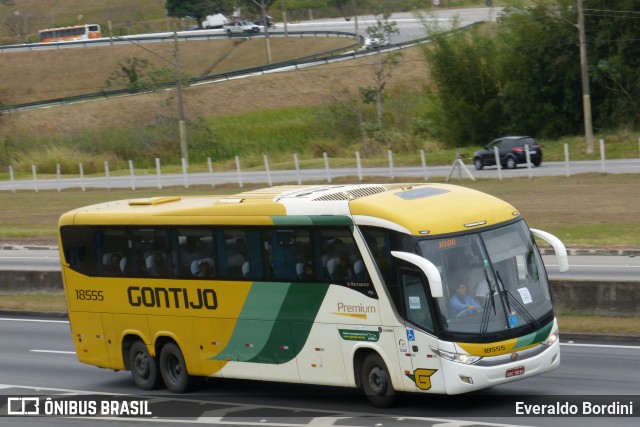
284, 18
355, 16
263, 9
586, 96
181, 121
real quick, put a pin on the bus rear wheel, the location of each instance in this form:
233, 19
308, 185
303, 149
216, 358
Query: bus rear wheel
174, 369
144, 367
376, 382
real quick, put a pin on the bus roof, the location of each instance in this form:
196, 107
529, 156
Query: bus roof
419, 209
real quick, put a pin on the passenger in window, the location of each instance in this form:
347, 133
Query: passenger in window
203, 268
159, 266
304, 270
141, 266
113, 269
342, 270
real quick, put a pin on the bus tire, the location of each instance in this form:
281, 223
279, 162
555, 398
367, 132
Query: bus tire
174, 369
144, 367
376, 382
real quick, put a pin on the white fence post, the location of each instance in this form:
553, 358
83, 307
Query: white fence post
266, 165
390, 156
213, 184
185, 175
239, 173
566, 159
106, 174
424, 165
35, 177
326, 166
133, 182
58, 183
13, 183
498, 164
602, 156
297, 166
359, 166
158, 173
81, 176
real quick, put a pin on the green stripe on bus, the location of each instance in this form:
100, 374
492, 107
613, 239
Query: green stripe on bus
255, 321
274, 322
326, 220
534, 337
291, 330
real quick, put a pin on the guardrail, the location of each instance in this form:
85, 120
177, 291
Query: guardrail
354, 51
322, 57
165, 37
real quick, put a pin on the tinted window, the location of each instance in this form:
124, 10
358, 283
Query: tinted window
295, 254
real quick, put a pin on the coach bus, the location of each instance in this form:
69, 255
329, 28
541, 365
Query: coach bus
344, 285
77, 32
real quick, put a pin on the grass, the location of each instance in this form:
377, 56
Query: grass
567, 207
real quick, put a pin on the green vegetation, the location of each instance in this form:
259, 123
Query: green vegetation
523, 74
563, 206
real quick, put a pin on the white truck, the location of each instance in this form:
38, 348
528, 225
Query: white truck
240, 27
217, 20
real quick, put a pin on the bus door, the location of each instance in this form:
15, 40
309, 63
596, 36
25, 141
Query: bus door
419, 333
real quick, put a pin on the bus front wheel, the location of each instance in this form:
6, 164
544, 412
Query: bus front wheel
174, 369
144, 367
376, 382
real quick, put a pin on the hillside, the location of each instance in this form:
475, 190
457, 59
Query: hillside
68, 72
48, 78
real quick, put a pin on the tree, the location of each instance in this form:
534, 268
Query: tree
23, 22
198, 9
136, 75
540, 70
615, 58
463, 67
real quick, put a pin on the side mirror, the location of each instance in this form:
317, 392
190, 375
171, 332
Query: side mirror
558, 247
427, 267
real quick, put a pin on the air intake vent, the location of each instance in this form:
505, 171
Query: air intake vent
351, 194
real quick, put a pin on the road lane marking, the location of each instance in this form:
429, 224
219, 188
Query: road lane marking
34, 320
53, 351
632, 347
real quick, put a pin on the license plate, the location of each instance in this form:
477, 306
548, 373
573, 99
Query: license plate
514, 372
532, 151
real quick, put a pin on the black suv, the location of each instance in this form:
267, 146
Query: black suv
511, 150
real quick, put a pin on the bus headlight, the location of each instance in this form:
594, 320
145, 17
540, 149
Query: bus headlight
465, 359
552, 338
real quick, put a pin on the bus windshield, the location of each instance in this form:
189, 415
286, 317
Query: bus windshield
493, 280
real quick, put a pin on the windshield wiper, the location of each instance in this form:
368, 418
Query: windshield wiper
518, 306
485, 310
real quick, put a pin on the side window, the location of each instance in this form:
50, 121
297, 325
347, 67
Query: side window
379, 243
233, 256
151, 253
112, 251
195, 256
340, 256
415, 300
290, 254
78, 249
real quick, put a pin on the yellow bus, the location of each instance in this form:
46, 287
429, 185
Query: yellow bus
399, 287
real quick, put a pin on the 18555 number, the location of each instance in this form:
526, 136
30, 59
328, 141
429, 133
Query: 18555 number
89, 295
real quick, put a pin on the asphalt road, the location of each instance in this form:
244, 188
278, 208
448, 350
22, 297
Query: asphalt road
37, 358
305, 176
